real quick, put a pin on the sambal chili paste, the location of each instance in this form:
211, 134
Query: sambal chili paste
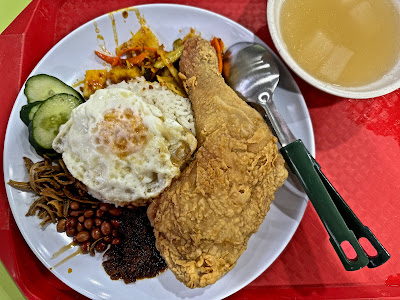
136, 257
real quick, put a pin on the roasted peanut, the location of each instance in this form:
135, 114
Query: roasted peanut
96, 233
104, 206
79, 227
88, 223
101, 246
85, 247
116, 241
70, 231
89, 213
61, 225
83, 236
99, 213
106, 228
75, 213
74, 205
115, 211
97, 222
71, 223
115, 223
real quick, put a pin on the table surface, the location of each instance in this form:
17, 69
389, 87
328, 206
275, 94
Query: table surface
357, 146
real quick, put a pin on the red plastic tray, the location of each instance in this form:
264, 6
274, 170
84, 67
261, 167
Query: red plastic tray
357, 144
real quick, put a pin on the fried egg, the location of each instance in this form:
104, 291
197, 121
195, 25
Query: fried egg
122, 148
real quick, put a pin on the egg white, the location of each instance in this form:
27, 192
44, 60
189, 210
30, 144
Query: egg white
123, 149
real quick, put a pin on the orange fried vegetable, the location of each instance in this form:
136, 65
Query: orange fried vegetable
142, 55
119, 73
144, 37
94, 80
136, 60
219, 48
112, 60
137, 48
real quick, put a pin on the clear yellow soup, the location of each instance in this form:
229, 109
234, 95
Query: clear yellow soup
343, 42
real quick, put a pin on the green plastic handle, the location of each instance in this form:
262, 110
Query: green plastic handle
355, 224
319, 191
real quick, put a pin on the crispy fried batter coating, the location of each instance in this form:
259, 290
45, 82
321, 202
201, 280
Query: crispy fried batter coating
203, 221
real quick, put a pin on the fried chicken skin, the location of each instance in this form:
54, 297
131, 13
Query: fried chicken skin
202, 222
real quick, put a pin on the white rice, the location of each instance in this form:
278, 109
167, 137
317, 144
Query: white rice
172, 105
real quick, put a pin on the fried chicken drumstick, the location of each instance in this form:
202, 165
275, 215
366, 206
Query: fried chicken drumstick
203, 221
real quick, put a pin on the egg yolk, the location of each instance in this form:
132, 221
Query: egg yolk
120, 132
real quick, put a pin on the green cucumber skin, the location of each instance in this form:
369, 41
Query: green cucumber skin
39, 149
26, 110
47, 80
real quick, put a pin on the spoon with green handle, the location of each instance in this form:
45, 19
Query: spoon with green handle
252, 72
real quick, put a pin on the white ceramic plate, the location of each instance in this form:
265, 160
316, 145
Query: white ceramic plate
68, 61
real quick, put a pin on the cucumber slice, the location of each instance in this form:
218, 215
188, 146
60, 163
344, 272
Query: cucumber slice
28, 111
42, 86
47, 120
40, 150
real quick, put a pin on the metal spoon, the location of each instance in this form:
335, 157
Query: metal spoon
252, 72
